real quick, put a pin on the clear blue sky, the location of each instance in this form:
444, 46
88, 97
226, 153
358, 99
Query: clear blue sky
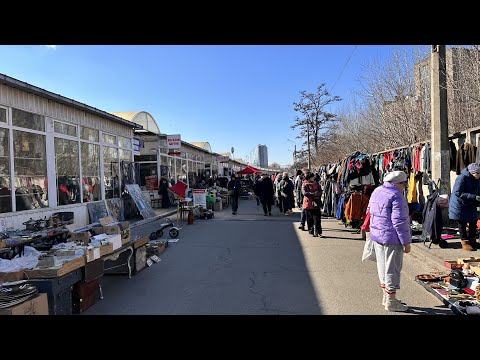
228, 95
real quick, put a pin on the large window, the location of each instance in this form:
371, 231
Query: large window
65, 129
3, 115
30, 163
124, 142
91, 172
89, 134
109, 139
28, 120
111, 171
5, 188
67, 171
148, 171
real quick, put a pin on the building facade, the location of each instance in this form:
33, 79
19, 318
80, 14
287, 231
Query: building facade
56, 154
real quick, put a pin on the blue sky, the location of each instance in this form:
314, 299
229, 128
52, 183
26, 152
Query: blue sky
228, 95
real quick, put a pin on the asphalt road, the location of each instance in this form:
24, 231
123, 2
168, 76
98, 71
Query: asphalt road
256, 265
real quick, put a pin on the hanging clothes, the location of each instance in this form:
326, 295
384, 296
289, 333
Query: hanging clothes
465, 156
356, 207
412, 189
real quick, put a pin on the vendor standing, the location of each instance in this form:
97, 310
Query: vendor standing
463, 205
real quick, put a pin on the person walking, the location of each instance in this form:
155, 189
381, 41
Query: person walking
298, 188
286, 194
390, 231
311, 203
463, 205
264, 187
233, 188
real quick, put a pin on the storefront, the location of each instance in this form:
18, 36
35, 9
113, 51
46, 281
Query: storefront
56, 154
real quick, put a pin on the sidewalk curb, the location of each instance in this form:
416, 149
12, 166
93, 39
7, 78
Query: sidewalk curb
146, 221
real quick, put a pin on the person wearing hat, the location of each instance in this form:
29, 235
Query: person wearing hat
390, 231
463, 205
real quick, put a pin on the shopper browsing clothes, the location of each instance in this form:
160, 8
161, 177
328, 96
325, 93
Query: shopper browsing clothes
233, 188
463, 205
390, 230
311, 203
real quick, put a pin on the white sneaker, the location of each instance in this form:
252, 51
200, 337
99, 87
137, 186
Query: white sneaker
395, 305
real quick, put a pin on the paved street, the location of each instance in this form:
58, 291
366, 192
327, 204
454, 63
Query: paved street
252, 264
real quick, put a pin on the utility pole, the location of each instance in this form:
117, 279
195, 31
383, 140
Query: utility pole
439, 118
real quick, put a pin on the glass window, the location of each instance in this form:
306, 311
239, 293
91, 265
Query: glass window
125, 155
111, 171
91, 172
124, 142
65, 129
67, 170
147, 169
5, 188
89, 134
109, 139
30, 163
3, 115
28, 120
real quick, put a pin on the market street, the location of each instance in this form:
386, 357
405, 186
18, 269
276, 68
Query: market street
249, 264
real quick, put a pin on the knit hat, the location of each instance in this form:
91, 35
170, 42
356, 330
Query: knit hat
474, 168
395, 177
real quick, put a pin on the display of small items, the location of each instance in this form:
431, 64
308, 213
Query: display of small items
173, 232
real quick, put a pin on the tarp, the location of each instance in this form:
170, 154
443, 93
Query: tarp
249, 170
179, 189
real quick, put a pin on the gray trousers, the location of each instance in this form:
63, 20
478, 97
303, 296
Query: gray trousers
389, 265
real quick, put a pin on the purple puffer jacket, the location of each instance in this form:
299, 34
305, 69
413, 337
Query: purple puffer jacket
389, 218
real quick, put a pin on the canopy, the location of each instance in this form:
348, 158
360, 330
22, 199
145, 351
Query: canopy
249, 170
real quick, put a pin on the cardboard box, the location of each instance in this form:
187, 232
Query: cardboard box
141, 241
122, 228
56, 271
106, 220
37, 305
83, 236
92, 253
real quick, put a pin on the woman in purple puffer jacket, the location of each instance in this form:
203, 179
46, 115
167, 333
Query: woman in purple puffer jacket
390, 230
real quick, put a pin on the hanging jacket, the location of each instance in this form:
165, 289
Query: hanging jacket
432, 218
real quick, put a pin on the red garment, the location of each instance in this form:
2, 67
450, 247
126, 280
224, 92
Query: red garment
366, 224
418, 153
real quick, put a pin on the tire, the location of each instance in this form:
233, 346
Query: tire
173, 233
153, 236
159, 233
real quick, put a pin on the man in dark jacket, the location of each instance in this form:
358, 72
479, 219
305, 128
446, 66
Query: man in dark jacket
264, 188
463, 205
233, 188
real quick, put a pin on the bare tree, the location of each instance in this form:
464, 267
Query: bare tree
314, 120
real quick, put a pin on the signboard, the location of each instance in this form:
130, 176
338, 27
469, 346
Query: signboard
223, 159
200, 197
136, 146
174, 141
151, 182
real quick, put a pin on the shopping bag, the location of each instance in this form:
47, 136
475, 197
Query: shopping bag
369, 249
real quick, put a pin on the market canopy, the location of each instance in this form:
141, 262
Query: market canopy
249, 170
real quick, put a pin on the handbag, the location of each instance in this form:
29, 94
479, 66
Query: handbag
369, 250
231, 192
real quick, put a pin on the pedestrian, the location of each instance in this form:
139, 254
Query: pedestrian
255, 190
312, 204
463, 205
298, 188
264, 187
163, 191
286, 194
390, 231
233, 188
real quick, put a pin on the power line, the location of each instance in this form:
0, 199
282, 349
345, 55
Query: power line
344, 67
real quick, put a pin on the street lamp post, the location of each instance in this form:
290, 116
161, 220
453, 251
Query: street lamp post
294, 151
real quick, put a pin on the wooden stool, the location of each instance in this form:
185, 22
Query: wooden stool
183, 211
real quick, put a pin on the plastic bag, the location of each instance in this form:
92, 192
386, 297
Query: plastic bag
369, 250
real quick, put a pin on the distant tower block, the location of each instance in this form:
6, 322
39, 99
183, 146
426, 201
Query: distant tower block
261, 158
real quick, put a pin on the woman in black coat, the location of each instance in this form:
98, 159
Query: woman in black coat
163, 190
264, 190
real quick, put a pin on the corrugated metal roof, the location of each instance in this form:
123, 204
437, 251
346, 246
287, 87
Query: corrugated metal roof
202, 144
22, 85
142, 118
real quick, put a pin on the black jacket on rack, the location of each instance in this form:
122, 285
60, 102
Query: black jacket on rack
432, 218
